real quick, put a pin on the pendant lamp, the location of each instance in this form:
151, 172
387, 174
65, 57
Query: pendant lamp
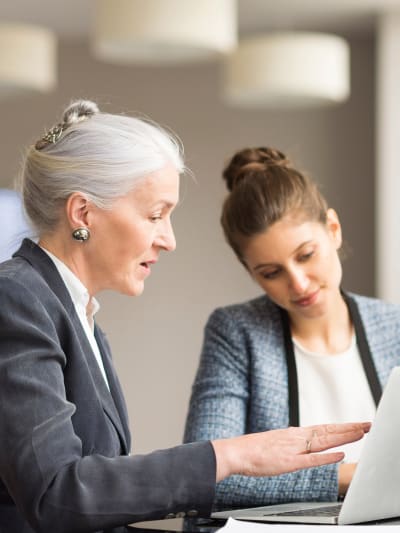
163, 31
27, 59
291, 69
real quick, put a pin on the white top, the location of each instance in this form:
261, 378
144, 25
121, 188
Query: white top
85, 306
334, 389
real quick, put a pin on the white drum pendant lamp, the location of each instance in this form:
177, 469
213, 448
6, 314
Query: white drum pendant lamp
288, 70
163, 31
27, 59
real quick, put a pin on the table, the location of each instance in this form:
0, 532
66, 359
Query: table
186, 525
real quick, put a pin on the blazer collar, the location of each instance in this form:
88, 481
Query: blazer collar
42, 263
111, 399
363, 348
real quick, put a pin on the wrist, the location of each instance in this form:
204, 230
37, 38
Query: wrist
226, 458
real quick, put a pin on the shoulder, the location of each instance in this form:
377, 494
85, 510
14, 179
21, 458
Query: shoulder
376, 309
259, 308
381, 321
256, 317
22, 286
19, 273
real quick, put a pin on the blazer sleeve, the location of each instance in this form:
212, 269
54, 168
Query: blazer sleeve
219, 408
41, 459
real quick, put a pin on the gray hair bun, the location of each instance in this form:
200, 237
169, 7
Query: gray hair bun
78, 111
75, 112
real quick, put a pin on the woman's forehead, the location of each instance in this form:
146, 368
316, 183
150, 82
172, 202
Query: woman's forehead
159, 186
283, 237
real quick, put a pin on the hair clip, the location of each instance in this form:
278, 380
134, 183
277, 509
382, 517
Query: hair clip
51, 136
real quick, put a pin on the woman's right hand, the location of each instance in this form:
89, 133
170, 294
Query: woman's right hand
279, 451
345, 475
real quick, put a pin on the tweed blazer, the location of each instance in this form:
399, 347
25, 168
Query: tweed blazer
241, 386
64, 446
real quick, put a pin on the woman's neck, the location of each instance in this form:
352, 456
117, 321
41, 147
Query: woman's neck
71, 256
329, 334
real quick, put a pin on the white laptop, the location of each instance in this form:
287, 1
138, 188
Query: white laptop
374, 493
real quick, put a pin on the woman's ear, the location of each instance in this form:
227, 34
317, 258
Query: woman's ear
77, 210
333, 227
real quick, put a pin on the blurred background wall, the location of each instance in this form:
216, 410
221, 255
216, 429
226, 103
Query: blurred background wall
156, 338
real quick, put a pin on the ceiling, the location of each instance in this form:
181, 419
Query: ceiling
72, 19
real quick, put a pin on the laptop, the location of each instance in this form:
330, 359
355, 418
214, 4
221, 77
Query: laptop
374, 492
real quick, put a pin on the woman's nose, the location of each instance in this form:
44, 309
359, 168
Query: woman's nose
166, 237
299, 281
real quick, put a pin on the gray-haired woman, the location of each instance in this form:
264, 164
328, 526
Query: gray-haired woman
100, 189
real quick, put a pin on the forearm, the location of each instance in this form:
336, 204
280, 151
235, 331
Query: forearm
98, 493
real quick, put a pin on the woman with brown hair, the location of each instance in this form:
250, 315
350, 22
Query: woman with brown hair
305, 352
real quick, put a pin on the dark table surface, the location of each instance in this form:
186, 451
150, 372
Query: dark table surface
186, 525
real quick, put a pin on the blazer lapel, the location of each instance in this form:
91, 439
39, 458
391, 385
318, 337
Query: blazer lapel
46, 268
118, 404
363, 348
106, 394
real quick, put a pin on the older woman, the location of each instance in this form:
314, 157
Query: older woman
100, 189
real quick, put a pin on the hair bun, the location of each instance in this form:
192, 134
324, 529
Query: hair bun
250, 161
78, 111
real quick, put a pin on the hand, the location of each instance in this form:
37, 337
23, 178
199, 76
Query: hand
346, 473
275, 452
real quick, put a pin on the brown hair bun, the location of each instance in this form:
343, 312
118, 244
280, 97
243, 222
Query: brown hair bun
250, 161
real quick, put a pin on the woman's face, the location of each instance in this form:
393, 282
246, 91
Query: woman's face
126, 241
297, 264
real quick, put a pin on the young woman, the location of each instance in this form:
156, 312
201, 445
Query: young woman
100, 189
305, 351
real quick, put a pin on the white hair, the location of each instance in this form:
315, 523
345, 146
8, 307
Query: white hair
99, 154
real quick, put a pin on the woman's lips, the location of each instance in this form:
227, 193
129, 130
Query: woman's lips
307, 300
146, 265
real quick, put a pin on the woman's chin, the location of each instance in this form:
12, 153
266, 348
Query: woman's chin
132, 289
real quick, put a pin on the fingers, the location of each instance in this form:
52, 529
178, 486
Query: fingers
324, 429
319, 459
331, 435
314, 459
324, 442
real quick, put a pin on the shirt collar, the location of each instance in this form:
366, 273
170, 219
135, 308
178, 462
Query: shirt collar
77, 290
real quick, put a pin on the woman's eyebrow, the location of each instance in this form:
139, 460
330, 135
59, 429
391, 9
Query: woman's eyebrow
263, 265
166, 204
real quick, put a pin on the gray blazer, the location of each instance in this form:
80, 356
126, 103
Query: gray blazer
241, 386
64, 445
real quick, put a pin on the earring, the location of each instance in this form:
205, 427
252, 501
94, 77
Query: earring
81, 234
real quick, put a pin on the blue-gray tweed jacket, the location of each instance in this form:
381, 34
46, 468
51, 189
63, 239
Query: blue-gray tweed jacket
241, 386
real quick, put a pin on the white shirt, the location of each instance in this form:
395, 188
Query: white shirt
85, 306
334, 389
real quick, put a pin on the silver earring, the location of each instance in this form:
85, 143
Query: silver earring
81, 234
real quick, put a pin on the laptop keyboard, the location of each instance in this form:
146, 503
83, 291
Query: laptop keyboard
332, 510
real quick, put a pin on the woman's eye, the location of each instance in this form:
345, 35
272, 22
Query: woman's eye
306, 257
155, 218
270, 275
